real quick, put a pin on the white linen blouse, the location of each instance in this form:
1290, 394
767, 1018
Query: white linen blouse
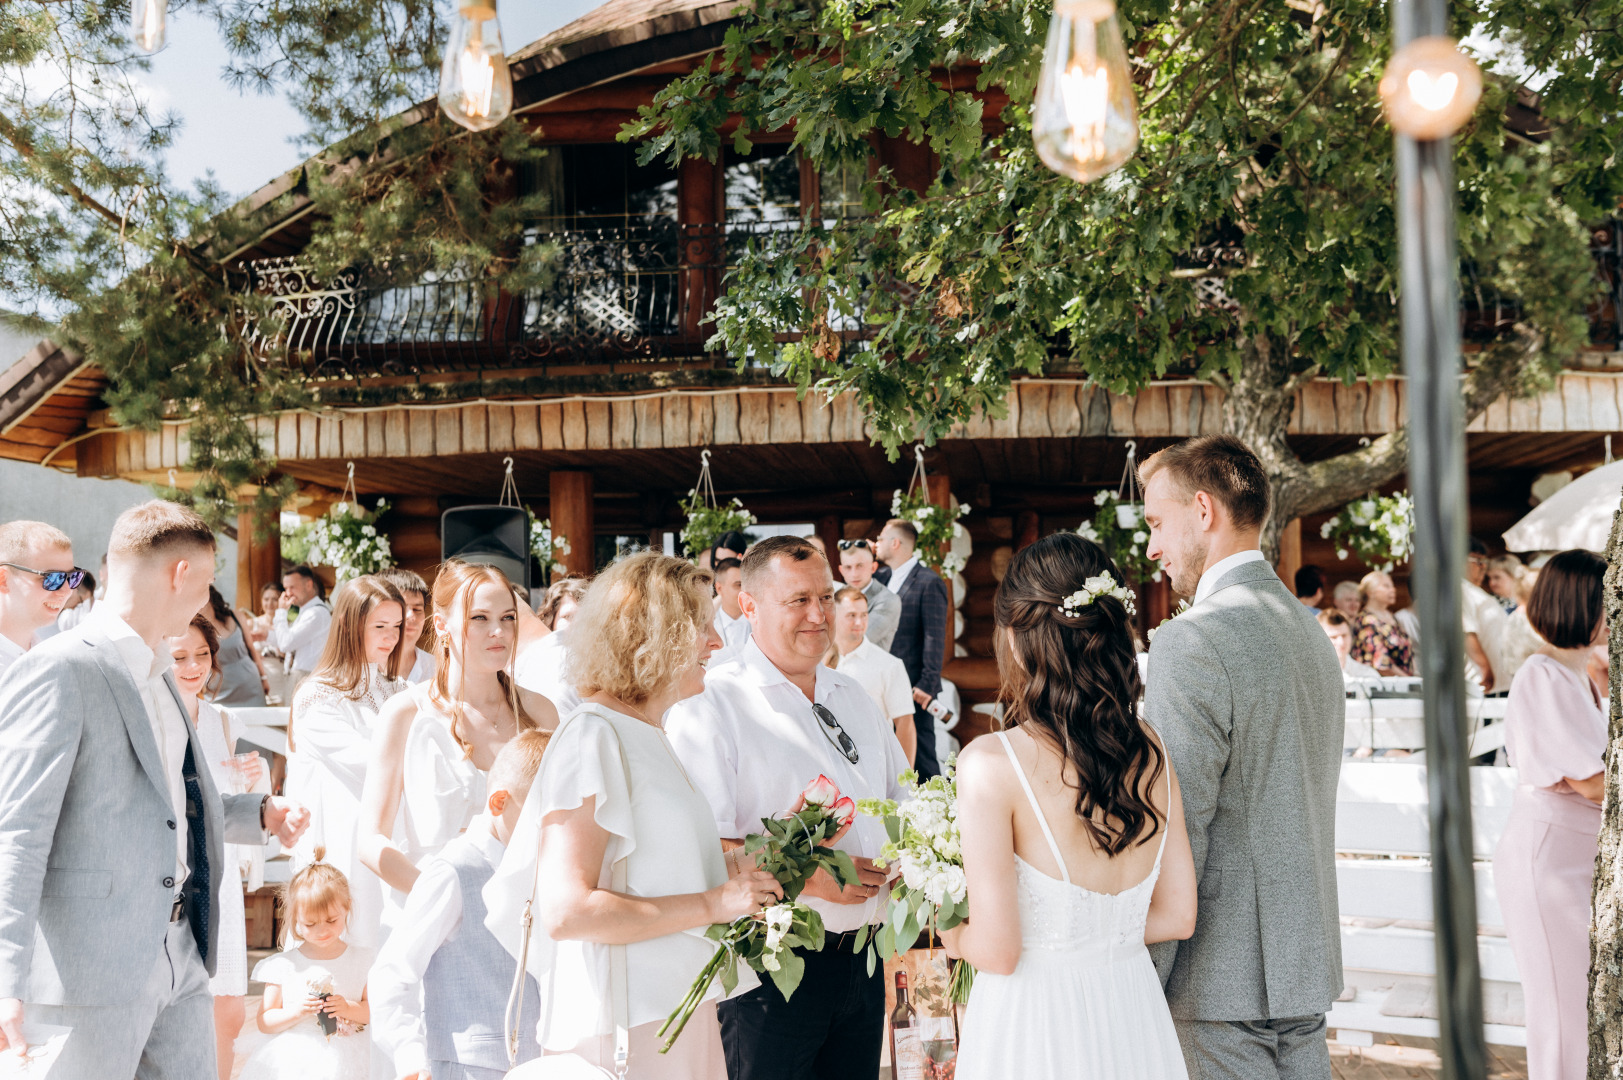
664, 829
442, 790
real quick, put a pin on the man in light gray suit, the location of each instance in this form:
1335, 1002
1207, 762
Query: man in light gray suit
111, 830
1245, 689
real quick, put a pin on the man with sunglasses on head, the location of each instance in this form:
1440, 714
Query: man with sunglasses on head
37, 576
769, 722
858, 562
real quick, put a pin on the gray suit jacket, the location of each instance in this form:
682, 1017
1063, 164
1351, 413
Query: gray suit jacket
1247, 693
884, 613
87, 832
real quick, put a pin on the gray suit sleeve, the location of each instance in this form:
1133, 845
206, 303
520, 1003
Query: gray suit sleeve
883, 618
1189, 700
40, 727
242, 818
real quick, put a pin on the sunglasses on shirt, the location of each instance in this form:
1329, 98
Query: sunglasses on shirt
52, 580
835, 734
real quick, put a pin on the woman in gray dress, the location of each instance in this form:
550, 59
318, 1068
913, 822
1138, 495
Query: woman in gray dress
242, 677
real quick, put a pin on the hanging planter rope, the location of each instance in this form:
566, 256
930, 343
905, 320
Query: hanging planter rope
1118, 525
937, 525
707, 520
546, 548
346, 538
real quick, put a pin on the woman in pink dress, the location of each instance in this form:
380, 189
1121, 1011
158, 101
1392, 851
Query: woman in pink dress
1545, 864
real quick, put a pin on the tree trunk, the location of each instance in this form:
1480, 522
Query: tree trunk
1261, 397
1606, 931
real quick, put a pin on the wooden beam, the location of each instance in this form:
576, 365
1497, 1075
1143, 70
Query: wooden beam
571, 511
259, 557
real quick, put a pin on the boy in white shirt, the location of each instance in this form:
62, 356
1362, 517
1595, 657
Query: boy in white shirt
438, 1009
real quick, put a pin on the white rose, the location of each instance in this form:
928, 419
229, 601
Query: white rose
367, 530
1100, 498
1140, 536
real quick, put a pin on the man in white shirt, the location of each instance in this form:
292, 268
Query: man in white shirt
414, 590
731, 626
882, 675
36, 579
858, 562
1486, 623
111, 827
768, 723
301, 636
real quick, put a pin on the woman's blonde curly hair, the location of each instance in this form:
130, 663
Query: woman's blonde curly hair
638, 626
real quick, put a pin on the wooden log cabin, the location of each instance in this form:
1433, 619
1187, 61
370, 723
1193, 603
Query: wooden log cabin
600, 391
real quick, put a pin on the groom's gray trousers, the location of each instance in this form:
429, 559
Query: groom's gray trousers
1293, 1048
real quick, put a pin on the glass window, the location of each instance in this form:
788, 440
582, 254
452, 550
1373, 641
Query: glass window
600, 186
763, 186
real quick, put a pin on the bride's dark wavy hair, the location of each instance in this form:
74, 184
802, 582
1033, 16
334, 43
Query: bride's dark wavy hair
1074, 679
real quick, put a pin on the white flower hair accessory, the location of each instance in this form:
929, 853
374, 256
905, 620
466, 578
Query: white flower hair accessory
1092, 589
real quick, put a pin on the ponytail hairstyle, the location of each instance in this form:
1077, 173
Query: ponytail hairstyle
454, 587
321, 886
1070, 678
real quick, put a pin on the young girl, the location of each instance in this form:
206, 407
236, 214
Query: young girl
315, 985
330, 734
195, 655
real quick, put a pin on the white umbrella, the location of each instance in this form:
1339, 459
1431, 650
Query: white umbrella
1577, 516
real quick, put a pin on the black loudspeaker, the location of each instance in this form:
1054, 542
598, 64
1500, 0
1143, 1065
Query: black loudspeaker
496, 536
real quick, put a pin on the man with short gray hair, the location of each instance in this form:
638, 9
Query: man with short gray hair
37, 576
1246, 692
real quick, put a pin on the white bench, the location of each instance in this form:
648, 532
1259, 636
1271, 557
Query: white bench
1383, 878
1386, 723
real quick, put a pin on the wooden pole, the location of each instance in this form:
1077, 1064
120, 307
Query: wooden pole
1290, 553
573, 519
831, 530
259, 557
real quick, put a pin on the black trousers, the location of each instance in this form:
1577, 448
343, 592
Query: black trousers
925, 762
832, 1029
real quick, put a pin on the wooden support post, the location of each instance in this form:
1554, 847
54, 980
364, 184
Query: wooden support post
699, 210
1290, 553
1026, 527
259, 558
831, 530
573, 519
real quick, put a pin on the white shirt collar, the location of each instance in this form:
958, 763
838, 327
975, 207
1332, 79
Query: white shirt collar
898, 576
486, 844
1215, 572
724, 619
132, 648
10, 651
761, 671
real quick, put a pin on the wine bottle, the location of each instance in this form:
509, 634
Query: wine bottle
907, 1060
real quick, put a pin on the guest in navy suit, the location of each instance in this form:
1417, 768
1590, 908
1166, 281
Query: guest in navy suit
921, 635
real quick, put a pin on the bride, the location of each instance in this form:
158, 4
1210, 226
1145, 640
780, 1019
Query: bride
1073, 839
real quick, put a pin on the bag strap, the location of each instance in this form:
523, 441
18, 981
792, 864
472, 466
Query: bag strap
619, 984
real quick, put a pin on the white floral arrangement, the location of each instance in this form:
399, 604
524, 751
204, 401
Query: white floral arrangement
707, 523
1379, 529
346, 538
1149, 635
1118, 527
546, 547
937, 526
1095, 588
932, 892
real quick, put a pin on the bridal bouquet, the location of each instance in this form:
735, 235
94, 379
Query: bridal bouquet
932, 893
792, 849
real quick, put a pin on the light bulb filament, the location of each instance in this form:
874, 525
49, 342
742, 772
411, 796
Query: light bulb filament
478, 79
1085, 91
1433, 94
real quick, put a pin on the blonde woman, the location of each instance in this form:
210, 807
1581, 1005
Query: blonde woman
611, 788
1378, 638
434, 745
330, 734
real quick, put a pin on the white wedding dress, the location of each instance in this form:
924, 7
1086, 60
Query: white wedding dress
1084, 1002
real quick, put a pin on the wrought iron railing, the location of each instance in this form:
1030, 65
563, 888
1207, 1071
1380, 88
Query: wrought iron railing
640, 294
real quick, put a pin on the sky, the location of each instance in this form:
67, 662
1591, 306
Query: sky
247, 139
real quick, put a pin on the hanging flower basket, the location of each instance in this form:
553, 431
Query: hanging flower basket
708, 522
346, 538
1379, 529
1119, 528
937, 525
547, 548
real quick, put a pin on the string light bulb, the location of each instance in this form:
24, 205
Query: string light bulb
476, 88
1085, 121
1430, 88
147, 19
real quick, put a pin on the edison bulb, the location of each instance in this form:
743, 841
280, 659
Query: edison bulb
1085, 122
476, 89
1430, 88
147, 18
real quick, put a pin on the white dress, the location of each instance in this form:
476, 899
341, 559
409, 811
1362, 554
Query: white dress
304, 1051
1084, 1001
666, 831
332, 736
231, 950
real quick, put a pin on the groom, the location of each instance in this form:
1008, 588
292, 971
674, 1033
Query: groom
1246, 691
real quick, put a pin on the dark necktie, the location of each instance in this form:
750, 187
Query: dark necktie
199, 884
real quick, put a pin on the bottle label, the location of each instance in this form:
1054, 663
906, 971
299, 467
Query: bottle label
907, 1052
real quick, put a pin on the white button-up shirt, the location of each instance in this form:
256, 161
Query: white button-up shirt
733, 632
751, 744
1215, 572
10, 653
302, 640
169, 725
432, 916
883, 676
898, 576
